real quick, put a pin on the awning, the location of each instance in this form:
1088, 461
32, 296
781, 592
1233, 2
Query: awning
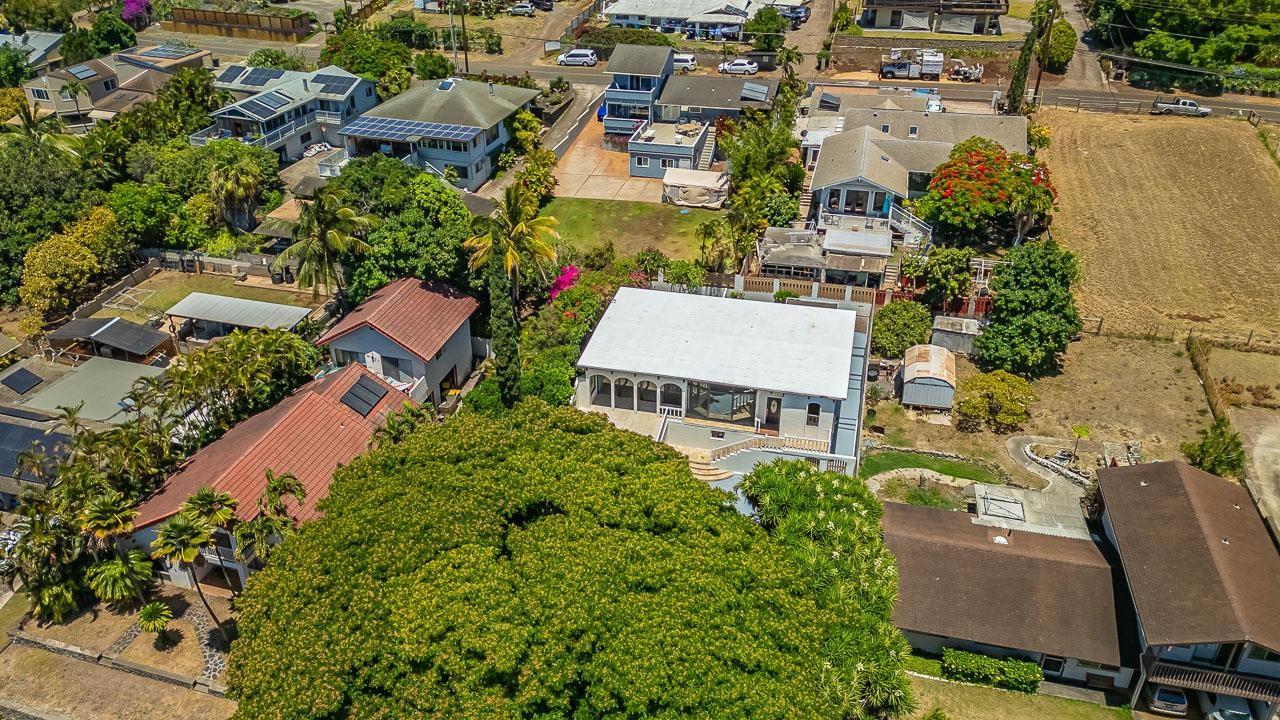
1215, 681
101, 114
855, 263
963, 24
917, 20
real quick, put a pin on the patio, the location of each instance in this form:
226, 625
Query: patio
587, 170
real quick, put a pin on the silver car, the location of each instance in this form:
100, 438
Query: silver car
1166, 700
521, 9
740, 66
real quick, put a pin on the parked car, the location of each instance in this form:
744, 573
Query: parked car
1166, 700
1178, 106
1224, 707
685, 61
578, 57
794, 12
543, 5
523, 8
741, 66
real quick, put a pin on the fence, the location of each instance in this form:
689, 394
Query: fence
1122, 107
196, 262
236, 24
367, 9
124, 283
583, 18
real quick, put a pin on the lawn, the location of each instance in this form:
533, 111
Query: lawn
630, 226
171, 286
11, 613
875, 463
1021, 9
967, 702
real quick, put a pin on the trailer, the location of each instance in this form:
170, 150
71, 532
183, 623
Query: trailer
912, 64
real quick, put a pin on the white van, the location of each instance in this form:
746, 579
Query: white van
578, 57
685, 61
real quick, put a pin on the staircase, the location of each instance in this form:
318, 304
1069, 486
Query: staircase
891, 273
706, 472
916, 233
708, 150
806, 195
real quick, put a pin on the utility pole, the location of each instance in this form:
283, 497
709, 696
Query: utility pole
1044, 50
453, 38
466, 62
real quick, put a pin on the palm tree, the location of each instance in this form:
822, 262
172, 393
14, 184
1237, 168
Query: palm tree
1080, 432
273, 519
178, 540
106, 517
45, 132
789, 58
76, 88
278, 488
120, 579
513, 233
155, 617
234, 185
328, 229
218, 509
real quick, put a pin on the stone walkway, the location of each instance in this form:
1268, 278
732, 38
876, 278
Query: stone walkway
215, 660
1016, 447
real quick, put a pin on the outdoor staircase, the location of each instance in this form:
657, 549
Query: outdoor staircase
891, 273
916, 233
706, 472
708, 150
806, 195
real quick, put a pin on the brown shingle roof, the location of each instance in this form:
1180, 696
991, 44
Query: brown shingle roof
419, 317
1199, 562
309, 434
1038, 593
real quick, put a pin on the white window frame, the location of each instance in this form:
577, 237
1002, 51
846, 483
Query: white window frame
885, 128
668, 163
913, 131
40, 94
642, 161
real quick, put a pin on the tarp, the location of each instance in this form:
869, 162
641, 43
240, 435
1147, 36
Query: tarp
916, 20
964, 24
695, 188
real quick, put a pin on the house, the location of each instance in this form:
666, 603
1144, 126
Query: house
287, 111
727, 369
113, 338
113, 84
965, 17
1204, 575
955, 333
638, 74
321, 426
1005, 593
41, 48
415, 335
926, 378
99, 387
703, 98
450, 123
806, 255
21, 432
714, 19
204, 317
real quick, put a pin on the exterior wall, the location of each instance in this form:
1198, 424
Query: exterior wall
1266, 668
654, 155
960, 343
478, 159
794, 419
363, 340
631, 98
1072, 669
143, 538
841, 194
673, 113
456, 354
928, 392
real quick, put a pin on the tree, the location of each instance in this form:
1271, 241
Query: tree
898, 326
178, 541
75, 88
276, 58
54, 15
789, 58
549, 375
767, 29
111, 34
1062, 47
218, 510
144, 211
1218, 451
78, 46
154, 617
43, 132
382, 186
947, 275
234, 183
328, 230
1033, 313
505, 328
1079, 432
492, 547
985, 194
106, 517
121, 579
431, 65
273, 523
55, 274
13, 67
364, 53
393, 82
998, 400
515, 234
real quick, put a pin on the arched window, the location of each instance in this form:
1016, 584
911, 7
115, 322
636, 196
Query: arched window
646, 396
812, 414
601, 391
624, 397
672, 396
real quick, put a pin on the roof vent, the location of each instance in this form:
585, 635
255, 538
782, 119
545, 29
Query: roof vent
1002, 540
445, 85
884, 158
1235, 505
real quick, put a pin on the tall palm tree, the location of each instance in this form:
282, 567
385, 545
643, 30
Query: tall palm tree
178, 540
76, 88
218, 509
45, 132
106, 517
515, 232
234, 185
328, 229
279, 487
273, 519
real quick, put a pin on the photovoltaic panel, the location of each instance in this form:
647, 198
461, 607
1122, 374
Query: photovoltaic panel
364, 395
256, 108
393, 129
82, 72
273, 100
754, 91
169, 52
231, 73
335, 84
21, 381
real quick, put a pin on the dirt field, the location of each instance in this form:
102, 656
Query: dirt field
1170, 216
1259, 427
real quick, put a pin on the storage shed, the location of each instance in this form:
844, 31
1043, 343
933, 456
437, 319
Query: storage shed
955, 334
927, 378
695, 188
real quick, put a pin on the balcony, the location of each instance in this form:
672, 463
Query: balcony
1191, 677
614, 93
214, 132
674, 138
324, 117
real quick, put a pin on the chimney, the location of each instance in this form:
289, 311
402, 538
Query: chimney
491, 89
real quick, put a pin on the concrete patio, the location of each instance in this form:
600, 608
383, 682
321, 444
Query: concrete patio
587, 170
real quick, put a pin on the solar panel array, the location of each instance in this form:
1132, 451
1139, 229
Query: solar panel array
169, 52
231, 73
364, 395
82, 72
260, 76
274, 99
21, 380
754, 91
335, 84
257, 109
393, 129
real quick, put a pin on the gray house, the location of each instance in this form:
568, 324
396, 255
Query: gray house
414, 335
687, 98
41, 48
446, 123
639, 73
927, 378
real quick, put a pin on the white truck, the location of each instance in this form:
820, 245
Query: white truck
911, 64
1178, 106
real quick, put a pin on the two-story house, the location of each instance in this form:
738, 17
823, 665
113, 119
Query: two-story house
41, 49
965, 17
699, 18
1204, 575
637, 75
705, 98
287, 111
440, 124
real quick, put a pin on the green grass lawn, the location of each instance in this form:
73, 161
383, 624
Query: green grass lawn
630, 226
1021, 9
875, 463
967, 702
171, 286
11, 613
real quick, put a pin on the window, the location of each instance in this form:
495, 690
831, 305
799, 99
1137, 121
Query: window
694, 110
668, 162
601, 391
885, 128
397, 368
368, 92
812, 414
39, 94
642, 161
1263, 654
343, 358
64, 94
672, 396
491, 135
624, 394
913, 131
720, 403
646, 396
1052, 665
479, 166
305, 137
109, 84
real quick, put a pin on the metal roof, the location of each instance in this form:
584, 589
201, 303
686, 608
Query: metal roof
640, 60
454, 101
113, 332
238, 311
741, 343
929, 361
100, 384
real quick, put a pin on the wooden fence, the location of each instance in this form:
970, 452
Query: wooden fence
237, 24
367, 9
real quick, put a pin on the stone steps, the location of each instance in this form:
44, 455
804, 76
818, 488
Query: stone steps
706, 472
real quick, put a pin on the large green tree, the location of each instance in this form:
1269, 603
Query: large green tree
514, 237
505, 328
329, 230
365, 53
767, 29
1033, 313
899, 325
542, 563
178, 541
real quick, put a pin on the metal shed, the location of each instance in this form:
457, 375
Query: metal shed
955, 334
927, 378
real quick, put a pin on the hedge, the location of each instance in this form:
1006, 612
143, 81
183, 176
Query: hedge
1009, 674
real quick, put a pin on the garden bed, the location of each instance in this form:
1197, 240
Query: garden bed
180, 655
93, 630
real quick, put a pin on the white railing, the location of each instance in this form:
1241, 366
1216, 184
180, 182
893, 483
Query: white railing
910, 224
328, 118
332, 165
785, 442
413, 160
668, 411
213, 132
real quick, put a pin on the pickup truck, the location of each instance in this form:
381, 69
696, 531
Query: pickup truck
1178, 106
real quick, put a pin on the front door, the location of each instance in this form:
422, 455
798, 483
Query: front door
772, 413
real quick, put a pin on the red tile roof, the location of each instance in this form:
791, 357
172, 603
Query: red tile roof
310, 433
418, 316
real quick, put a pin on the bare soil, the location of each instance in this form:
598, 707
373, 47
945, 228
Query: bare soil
1170, 217
180, 655
93, 629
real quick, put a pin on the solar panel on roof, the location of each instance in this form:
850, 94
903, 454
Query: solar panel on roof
335, 84
364, 395
827, 101
21, 381
272, 100
231, 73
393, 129
169, 52
25, 414
82, 72
257, 109
754, 91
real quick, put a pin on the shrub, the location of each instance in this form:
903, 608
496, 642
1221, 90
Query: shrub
899, 325
486, 397
1062, 46
432, 65
1020, 675
783, 295
607, 38
999, 400
1010, 674
1218, 451
550, 375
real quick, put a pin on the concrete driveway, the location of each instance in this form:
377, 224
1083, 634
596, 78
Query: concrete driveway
587, 170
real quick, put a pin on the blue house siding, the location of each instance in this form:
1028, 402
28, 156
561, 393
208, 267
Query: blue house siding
928, 393
647, 158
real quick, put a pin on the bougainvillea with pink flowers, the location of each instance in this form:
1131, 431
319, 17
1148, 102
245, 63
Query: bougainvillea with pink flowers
134, 9
567, 278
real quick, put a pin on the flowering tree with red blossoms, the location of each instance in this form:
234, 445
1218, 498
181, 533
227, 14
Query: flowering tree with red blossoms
984, 194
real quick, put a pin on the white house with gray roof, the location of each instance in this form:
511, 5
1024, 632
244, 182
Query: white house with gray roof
703, 18
39, 47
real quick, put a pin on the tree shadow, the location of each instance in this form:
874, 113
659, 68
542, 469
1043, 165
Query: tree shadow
168, 639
